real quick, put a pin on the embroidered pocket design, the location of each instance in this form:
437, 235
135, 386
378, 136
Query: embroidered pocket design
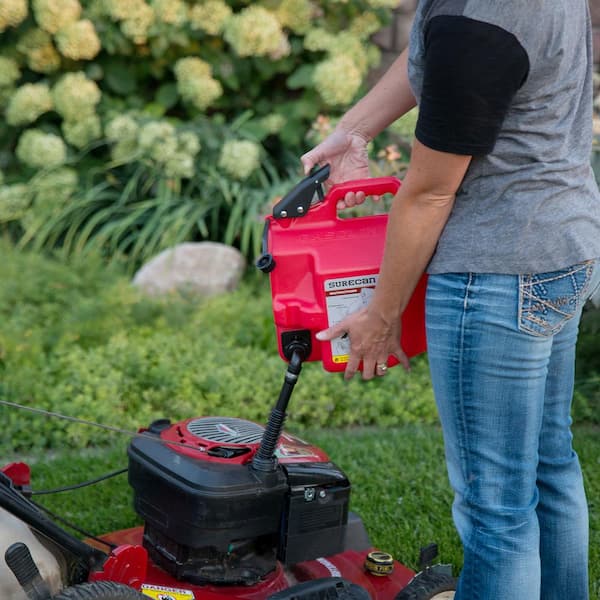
548, 300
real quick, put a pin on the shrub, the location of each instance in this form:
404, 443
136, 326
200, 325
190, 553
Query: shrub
246, 80
77, 339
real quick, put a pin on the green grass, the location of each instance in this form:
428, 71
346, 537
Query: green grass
399, 482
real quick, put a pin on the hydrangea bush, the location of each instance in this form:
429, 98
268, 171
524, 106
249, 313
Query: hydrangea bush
168, 110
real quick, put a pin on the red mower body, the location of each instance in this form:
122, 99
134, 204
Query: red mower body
130, 565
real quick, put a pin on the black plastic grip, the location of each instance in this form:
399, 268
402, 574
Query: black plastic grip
19, 559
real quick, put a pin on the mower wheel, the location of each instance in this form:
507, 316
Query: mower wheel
100, 590
429, 585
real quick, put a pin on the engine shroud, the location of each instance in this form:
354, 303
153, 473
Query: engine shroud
210, 517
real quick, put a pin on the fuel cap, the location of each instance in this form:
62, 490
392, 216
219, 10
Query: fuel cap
379, 563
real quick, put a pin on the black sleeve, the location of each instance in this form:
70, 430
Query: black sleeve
472, 72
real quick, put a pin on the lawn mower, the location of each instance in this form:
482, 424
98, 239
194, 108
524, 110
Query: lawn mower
231, 509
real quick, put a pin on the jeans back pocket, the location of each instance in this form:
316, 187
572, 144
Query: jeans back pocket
548, 300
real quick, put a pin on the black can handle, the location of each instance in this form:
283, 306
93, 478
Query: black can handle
297, 201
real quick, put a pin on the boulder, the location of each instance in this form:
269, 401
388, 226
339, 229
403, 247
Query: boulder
204, 268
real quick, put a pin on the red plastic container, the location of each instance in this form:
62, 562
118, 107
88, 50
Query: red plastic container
326, 267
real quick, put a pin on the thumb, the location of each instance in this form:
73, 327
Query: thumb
309, 160
328, 334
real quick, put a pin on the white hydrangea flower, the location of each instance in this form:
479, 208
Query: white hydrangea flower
157, 139
51, 191
365, 25
125, 151
120, 9
255, 31
180, 166
188, 142
12, 13
337, 80
82, 132
38, 149
9, 71
349, 45
122, 127
383, 3
172, 12
318, 39
195, 83
42, 57
28, 103
373, 56
53, 15
273, 123
63, 181
75, 96
296, 15
239, 158
78, 41
210, 16
14, 201
138, 23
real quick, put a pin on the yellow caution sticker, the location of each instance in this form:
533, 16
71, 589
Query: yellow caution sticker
341, 359
158, 592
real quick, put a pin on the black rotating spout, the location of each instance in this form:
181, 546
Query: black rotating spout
297, 351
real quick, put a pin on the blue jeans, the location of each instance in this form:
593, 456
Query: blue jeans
502, 353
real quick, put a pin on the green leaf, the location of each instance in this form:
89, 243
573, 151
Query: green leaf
167, 95
120, 78
154, 109
301, 77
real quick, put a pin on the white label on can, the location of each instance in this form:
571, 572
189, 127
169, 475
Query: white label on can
343, 297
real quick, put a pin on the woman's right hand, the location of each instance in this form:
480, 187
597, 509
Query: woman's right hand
347, 156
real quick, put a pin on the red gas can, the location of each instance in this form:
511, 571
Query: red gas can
322, 267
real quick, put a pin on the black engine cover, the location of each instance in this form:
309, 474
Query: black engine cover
208, 520
200, 503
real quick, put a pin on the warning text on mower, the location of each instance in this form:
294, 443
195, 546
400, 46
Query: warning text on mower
343, 296
160, 592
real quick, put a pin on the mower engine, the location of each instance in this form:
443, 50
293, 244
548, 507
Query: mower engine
212, 517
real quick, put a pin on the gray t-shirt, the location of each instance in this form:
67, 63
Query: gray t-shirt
530, 203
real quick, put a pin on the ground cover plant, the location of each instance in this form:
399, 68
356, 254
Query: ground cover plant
78, 339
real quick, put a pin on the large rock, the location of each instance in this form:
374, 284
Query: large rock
205, 268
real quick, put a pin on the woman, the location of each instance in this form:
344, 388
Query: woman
500, 206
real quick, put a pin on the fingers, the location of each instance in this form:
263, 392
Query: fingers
351, 199
328, 334
402, 359
309, 160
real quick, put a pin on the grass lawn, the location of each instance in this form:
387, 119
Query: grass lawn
399, 482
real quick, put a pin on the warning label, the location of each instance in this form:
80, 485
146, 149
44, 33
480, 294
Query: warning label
158, 592
344, 296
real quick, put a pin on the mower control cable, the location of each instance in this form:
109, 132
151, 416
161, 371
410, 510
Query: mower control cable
131, 434
70, 525
77, 486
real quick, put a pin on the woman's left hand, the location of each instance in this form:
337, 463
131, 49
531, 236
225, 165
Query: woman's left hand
372, 340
